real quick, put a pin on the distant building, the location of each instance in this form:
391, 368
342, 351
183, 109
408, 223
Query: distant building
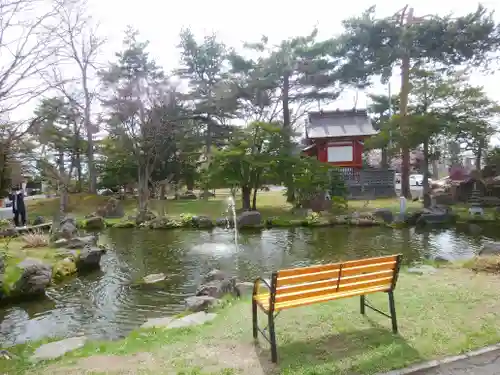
337, 137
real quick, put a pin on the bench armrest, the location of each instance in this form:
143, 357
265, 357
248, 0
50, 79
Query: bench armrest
257, 285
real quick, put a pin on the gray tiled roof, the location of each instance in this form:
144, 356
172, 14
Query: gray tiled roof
339, 124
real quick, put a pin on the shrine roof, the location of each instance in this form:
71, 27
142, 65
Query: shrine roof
331, 124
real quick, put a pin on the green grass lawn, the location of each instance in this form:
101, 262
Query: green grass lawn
449, 312
270, 204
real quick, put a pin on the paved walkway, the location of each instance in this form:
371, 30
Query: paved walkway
482, 364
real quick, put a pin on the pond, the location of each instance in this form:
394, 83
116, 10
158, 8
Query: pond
105, 304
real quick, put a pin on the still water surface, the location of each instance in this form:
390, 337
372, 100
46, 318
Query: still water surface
106, 305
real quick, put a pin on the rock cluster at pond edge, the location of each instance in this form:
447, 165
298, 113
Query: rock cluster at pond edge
69, 254
215, 285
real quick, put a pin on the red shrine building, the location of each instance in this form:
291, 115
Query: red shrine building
337, 137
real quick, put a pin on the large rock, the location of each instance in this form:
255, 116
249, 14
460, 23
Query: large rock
89, 259
218, 288
224, 222
385, 214
95, 223
80, 242
57, 349
195, 319
249, 219
35, 277
490, 248
215, 274
436, 215
68, 228
202, 222
200, 303
154, 278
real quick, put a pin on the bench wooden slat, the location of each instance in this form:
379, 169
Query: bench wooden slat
335, 266
263, 299
347, 270
360, 285
333, 281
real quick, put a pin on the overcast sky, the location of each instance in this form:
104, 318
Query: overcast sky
234, 22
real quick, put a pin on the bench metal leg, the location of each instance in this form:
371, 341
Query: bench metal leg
362, 304
392, 307
254, 319
272, 337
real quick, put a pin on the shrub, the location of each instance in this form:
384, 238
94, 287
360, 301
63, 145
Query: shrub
339, 204
186, 219
312, 218
35, 239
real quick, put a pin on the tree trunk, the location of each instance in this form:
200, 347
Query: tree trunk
90, 131
143, 189
63, 199
425, 182
189, 182
246, 192
290, 195
384, 160
79, 170
208, 146
435, 169
479, 155
403, 110
254, 200
162, 191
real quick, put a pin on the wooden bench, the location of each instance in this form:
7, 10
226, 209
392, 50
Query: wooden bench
296, 287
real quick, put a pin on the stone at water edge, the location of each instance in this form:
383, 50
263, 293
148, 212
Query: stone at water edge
249, 218
158, 322
89, 258
200, 303
57, 349
95, 223
79, 242
35, 277
385, 214
195, 319
215, 274
154, 278
490, 248
202, 222
422, 269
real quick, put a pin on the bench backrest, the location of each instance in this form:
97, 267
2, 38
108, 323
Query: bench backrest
351, 277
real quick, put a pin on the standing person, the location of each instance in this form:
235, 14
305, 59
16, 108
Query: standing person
18, 207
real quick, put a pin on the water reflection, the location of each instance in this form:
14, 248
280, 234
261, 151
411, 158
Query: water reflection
108, 305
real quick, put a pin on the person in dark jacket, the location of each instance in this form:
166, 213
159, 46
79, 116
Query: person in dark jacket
18, 207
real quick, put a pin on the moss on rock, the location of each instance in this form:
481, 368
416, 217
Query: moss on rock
124, 224
64, 268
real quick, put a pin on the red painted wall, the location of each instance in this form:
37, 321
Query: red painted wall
357, 159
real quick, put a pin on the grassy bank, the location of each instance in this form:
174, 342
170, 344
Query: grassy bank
449, 312
270, 204
33, 246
